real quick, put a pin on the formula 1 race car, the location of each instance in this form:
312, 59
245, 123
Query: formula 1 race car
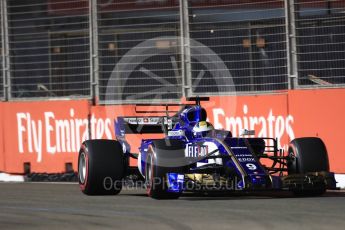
193, 156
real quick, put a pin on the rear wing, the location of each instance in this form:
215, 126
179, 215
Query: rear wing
153, 124
140, 125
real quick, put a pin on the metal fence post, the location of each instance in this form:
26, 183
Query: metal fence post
94, 62
292, 61
2, 50
5, 52
182, 42
185, 49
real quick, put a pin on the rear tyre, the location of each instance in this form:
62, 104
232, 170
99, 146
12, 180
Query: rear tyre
156, 168
101, 167
308, 155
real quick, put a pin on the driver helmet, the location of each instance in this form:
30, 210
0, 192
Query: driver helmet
203, 129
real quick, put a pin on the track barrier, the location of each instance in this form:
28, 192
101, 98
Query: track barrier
44, 137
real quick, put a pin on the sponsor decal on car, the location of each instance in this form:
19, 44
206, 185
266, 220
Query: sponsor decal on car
194, 150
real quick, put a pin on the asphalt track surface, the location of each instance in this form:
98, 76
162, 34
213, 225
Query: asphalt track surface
63, 206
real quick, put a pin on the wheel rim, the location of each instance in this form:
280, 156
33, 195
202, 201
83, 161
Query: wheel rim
82, 167
149, 176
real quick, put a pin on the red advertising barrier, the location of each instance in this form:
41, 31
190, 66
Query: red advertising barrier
321, 113
107, 115
48, 134
2, 147
266, 114
45, 134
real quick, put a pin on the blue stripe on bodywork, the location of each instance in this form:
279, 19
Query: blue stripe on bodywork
245, 157
249, 162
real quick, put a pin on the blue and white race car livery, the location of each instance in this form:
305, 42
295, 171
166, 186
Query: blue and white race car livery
193, 156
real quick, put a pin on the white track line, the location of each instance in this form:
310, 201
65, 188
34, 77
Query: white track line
5, 177
340, 178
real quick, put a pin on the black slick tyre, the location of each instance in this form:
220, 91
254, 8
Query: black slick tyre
101, 167
308, 155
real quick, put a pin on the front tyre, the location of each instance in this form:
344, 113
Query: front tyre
101, 167
308, 155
